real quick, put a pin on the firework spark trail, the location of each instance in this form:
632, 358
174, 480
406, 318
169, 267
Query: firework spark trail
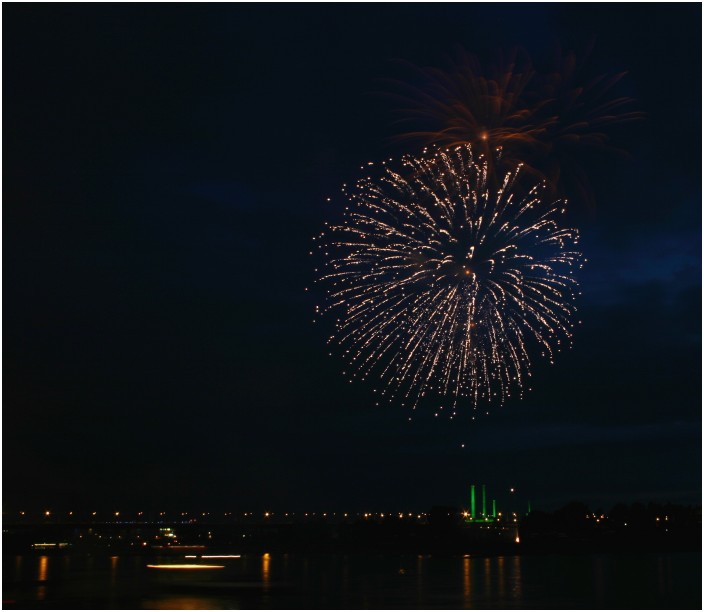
509, 110
442, 286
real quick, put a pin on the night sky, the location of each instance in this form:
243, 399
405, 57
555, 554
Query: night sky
165, 168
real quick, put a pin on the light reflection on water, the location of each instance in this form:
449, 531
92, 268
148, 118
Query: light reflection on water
42, 573
516, 590
266, 560
266, 578
113, 570
43, 569
501, 572
419, 579
183, 603
466, 581
356, 581
487, 577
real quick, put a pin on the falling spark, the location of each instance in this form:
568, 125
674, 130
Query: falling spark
442, 286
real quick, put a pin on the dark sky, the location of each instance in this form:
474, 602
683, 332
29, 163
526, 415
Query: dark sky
165, 168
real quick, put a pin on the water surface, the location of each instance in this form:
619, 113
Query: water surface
624, 581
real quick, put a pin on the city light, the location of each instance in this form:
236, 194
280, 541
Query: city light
185, 566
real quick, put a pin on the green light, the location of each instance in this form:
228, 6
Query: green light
472, 504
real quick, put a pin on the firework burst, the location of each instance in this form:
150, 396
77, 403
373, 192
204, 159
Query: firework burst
512, 112
443, 286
